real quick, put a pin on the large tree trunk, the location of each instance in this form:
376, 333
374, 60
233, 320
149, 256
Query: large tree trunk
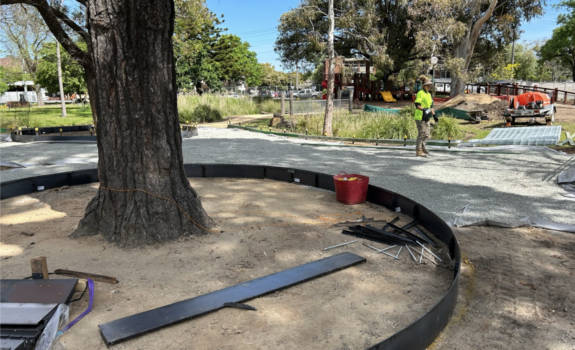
139, 142
464, 48
327, 129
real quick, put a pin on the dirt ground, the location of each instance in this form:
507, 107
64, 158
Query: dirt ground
268, 227
517, 291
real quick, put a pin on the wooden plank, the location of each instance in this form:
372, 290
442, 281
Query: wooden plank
98, 278
117, 331
39, 268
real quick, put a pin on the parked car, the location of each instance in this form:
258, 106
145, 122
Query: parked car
231, 95
307, 93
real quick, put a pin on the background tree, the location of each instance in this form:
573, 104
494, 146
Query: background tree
22, 34
235, 62
272, 77
130, 55
561, 46
3, 81
196, 31
455, 26
72, 72
293, 44
378, 30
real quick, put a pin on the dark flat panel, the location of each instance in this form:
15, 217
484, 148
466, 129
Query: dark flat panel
30, 138
193, 170
235, 171
305, 178
15, 189
37, 291
83, 177
15, 344
326, 182
380, 196
24, 313
132, 326
278, 174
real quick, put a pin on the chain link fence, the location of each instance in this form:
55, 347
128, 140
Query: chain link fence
314, 106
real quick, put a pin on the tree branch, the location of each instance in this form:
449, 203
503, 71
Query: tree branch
83, 2
52, 19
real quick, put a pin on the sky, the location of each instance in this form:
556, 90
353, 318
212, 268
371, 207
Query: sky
255, 21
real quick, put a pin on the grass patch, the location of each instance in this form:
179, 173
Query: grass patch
209, 108
45, 116
359, 125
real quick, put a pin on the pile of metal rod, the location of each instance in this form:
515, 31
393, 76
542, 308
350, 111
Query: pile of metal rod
396, 236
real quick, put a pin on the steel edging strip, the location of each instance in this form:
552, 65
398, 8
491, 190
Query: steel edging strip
418, 335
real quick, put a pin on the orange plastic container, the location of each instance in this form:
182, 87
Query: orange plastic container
350, 192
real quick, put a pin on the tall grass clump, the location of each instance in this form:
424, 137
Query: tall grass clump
210, 107
447, 127
361, 125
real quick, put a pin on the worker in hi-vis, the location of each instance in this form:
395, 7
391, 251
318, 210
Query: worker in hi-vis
423, 113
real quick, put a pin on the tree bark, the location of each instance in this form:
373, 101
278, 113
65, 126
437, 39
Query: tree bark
139, 142
327, 122
38, 90
464, 48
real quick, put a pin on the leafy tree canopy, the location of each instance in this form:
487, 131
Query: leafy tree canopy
3, 82
72, 72
561, 46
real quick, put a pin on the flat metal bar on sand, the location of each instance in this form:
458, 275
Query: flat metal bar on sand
129, 327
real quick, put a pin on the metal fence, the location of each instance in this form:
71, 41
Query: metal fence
314, 106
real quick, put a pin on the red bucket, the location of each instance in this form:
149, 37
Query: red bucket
350, 192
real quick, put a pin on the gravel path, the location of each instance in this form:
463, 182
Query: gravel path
494, 186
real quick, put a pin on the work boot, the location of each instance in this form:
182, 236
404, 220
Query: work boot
425, 150
420, 153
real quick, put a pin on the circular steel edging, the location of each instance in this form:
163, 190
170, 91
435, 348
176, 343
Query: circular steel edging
418, 335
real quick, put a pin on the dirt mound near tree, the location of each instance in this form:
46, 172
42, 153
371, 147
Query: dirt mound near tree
491, 106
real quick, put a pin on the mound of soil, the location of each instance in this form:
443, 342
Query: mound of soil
491, 106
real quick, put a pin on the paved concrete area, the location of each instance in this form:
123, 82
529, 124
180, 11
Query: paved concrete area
496, 186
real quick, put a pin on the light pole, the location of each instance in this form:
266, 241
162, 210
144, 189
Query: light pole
62, 98
24, 81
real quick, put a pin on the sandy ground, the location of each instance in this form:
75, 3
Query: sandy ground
517, 291
268, 227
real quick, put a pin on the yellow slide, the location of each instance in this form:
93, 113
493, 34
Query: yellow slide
387, 96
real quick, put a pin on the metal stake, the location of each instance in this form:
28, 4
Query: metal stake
339, 245
421, 257
425, 256
413, 256
399, 251
429, 251
381, 251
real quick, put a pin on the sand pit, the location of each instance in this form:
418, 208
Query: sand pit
268, 227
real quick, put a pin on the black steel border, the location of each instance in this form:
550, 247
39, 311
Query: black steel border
418, 335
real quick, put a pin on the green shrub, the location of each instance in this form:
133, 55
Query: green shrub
447, 127
205, 113
194, 107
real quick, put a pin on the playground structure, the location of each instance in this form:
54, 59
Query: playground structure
365, 89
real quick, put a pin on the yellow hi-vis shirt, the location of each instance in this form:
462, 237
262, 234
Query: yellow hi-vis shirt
424, 98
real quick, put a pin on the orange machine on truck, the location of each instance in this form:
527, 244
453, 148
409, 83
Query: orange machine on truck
533, 104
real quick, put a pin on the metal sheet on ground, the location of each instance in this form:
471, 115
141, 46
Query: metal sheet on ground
532, 136
125, 328
24, 313
37, 291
